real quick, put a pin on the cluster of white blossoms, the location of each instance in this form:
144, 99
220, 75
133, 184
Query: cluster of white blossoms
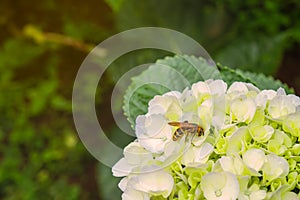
249, 150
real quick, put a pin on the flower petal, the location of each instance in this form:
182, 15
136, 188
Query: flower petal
219, 185
155, 183
254, 158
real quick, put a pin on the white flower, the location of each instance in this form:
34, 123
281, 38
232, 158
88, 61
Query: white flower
290, 196
243, 109
219, 186
283, 194
236, 89
122, 168
261, 133
153, 132
291, 124
211, 87
196, 155
275, 167
254, 158
264, 96
134, 156
132, 194
238, 141
155, 182
232, 164
251, 193
295, 100
167, 105
280, 106
211, 100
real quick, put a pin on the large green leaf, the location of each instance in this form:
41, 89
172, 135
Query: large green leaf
172, 73
259, 80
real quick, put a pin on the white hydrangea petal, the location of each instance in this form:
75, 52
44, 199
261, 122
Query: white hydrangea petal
154, 145
295, 100
232, 164
236, 90
172, 148
159, 104
261, 133
291, 124
217, 87
237, 141
153, 132
219, 112
188, 101
275, 167
200, 88
280, 106
123, 183
243, 109
173, 94
203, 152
131, 194
290, 196
205, 111
252, 87
188, 157
157, 182
264, 96
254, 158
281, 91
258, 195
155, 126
122, 168
219, 185
149, 126
135, 154
238, 87
174, 112
167, 105
140, 129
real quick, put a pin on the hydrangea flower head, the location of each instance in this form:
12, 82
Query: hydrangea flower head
249, 148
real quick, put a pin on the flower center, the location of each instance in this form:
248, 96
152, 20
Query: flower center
218, 193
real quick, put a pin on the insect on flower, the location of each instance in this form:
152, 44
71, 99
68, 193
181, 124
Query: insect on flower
186, 128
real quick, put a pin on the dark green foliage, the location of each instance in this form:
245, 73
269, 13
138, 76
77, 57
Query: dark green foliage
250, 35
38, 144
41, 156
260, 80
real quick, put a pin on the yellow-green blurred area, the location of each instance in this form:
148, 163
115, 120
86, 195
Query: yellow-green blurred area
43, 43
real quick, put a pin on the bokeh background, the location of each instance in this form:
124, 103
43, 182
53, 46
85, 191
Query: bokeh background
43, 43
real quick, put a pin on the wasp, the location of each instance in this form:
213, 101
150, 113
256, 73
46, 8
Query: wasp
186, 128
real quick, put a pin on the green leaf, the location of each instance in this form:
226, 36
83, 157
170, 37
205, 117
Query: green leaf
259, 80
170, 74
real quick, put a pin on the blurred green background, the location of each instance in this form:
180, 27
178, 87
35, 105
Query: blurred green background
43, 43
